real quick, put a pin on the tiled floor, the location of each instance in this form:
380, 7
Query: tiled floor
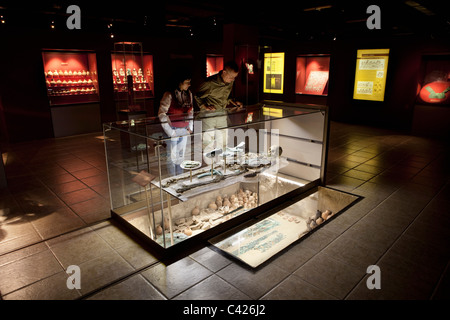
55, 214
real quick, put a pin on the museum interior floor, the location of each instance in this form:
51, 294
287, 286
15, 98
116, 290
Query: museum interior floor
55, 213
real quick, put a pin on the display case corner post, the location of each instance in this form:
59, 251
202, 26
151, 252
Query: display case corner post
326, 136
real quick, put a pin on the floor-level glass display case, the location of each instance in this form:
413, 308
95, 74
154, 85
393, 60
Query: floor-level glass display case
231, 167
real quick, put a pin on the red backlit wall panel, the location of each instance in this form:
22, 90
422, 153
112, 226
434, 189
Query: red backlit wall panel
71, 77
214, 64
312, 75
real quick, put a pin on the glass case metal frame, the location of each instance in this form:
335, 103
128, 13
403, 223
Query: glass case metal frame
164, 202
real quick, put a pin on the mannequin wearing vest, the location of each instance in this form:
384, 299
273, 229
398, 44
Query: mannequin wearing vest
175, 113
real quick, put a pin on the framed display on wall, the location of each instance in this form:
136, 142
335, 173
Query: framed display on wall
312, 74
214, 64
370, 76
246, 85
70, 76
434, 86
132, 72
273, 72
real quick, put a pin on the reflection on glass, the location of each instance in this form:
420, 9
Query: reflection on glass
262, 240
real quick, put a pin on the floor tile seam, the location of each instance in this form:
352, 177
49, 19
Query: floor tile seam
315, 286
274, 286
122, 279
35, 282
69, 206
211, 275
213, 271
319, 252
390, 247
114, 249
58, 196
258, 298
440, 281
342, 234
367, 158
155, 263
106, 242
53, 237
192, 285
365, 180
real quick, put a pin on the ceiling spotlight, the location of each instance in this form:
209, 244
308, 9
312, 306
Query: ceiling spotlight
111, 35
52, 25
318, 8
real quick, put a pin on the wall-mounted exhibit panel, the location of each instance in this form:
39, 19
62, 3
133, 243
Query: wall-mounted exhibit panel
371, 73
312, 74
273, 81
70, 76
214, 64
434, 85
170, 190
132, 73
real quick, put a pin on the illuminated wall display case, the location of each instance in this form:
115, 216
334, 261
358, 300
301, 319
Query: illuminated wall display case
273, 72
434, 85
371, 73
312, 74
70, 76
431, 111
173, 193
214, 64
132, 73
247, 82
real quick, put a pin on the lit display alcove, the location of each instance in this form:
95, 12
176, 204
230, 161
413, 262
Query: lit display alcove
214, 64
132, 74
434, 87
312, 74
70, 76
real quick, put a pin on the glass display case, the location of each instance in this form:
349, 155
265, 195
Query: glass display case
132, 73
70, 76
214, 64
260, 239
312, 74
434, 87
246, 84
230, 167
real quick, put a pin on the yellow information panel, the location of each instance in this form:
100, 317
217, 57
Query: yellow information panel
273, 112
273, 72
371, 71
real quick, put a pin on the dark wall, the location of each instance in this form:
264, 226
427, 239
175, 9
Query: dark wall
26, 110
396, 111
25, 106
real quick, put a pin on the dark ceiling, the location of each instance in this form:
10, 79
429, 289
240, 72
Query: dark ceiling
281, 19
